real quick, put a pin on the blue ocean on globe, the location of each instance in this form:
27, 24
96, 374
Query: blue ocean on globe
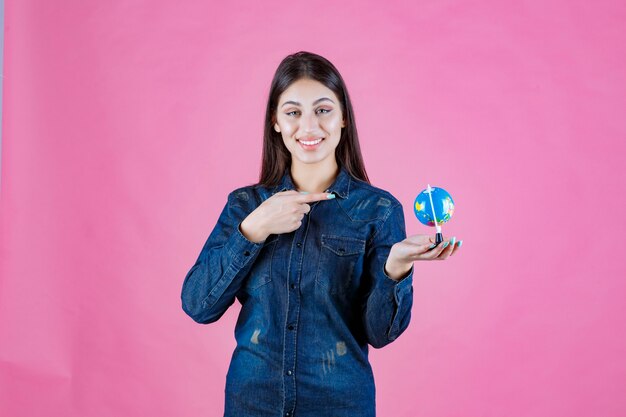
444, 206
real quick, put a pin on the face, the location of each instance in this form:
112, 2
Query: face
309, 111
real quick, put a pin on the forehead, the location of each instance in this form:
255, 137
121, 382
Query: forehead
306, 91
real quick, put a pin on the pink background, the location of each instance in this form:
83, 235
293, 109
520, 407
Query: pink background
127, 123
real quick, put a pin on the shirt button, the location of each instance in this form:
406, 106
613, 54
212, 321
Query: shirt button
299, 244
287, 413
293, 286
247, 253
290, 327
289, 372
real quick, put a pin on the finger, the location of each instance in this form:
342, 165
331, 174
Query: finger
304, 208
435, 252
445, 254
457, 246
425, 252
424, 248
308, 198
439, 250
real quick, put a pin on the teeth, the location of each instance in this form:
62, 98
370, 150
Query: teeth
312, 142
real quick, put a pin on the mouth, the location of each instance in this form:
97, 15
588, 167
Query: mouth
310, 144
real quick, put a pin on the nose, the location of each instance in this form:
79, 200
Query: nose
309, 122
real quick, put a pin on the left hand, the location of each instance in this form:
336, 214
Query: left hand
417, 248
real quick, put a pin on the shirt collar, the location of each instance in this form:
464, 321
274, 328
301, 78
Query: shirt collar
340, 187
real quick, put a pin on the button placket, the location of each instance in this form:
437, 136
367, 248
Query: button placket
293, 308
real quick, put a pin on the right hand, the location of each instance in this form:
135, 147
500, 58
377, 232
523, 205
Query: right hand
281, 213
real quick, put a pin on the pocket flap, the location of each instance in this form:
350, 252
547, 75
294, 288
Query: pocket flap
343, 245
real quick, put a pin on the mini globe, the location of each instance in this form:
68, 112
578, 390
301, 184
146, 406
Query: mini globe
442, 202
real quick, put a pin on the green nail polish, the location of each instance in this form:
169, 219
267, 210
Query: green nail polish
445, 245
432, 246
304, 192
331, 195
453, 240
460, 242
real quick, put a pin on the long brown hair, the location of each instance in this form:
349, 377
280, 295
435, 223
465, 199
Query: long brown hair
276, 158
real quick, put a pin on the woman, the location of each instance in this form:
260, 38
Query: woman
316, 255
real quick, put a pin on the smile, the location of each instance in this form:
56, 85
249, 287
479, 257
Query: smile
308, 145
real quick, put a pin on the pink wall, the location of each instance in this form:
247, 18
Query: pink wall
127, 123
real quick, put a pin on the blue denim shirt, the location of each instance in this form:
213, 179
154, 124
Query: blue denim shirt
311, 300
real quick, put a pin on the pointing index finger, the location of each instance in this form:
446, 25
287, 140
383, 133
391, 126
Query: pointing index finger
306, 198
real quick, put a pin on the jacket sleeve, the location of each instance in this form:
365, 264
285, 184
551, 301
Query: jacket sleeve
211, 284
387, 304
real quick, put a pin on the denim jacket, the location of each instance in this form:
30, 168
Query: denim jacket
311, 300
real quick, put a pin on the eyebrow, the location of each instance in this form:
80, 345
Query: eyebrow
314, 103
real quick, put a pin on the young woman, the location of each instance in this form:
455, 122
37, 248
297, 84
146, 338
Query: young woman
316, 255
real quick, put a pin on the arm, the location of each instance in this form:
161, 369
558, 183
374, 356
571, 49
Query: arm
387, 306
210, 285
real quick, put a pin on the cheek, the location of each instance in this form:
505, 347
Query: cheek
287, 132
333, 124
288, 128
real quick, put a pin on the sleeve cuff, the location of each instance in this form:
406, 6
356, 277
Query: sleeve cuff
403, 285
398, 287
407, 275
241, 249
401, 289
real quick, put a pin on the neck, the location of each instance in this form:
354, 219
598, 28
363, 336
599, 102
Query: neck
314, 178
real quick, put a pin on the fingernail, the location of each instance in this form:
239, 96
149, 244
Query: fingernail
331, 195
453, 240
432, 246
459, 243
304, 192
445, 245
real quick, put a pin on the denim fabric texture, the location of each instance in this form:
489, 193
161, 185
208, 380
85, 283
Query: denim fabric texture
312, 300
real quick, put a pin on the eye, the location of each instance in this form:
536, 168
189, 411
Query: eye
296, 111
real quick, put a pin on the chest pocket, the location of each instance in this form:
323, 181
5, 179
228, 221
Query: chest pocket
260, 273
338, 257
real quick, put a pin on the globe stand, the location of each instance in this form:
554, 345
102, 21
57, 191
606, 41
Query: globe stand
438, 238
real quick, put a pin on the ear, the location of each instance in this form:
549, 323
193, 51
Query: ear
276, 127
